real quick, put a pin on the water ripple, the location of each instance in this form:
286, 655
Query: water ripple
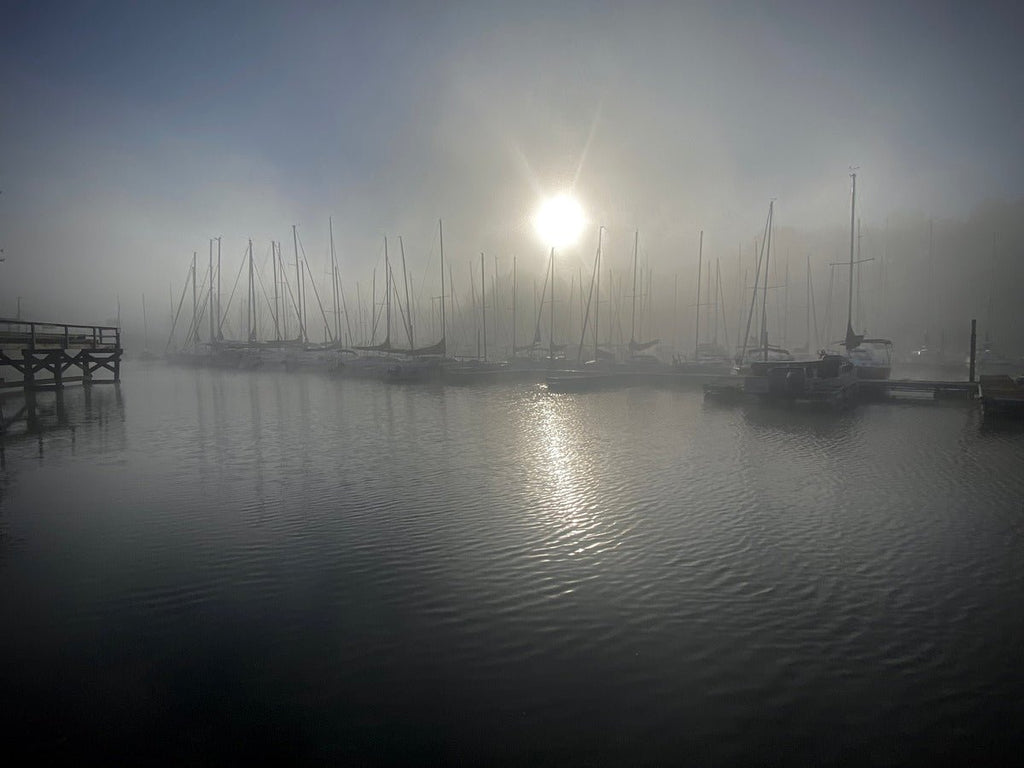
474, 560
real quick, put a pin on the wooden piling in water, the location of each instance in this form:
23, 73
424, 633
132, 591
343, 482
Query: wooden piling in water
974, 347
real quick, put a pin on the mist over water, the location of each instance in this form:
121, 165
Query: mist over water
241, 564
229, 564
142, 132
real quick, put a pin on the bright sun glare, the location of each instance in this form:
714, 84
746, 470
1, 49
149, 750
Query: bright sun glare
559, 221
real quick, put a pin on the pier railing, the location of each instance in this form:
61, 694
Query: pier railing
32, 336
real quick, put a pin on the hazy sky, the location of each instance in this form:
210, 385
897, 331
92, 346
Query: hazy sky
131, 133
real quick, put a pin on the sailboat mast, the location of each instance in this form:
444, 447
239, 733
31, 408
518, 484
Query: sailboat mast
991, 288
515, 278
344, 306
440, 233
784, 319
328, 334
753, 294
210, 292
764, 290
597, 280
334, 280
299, 311
145, 325
585, 312
814, 310
632, 327
551, 350
853, 207
700, 259
360, 323
456, 310
252, 295
408, 306
931, 280
860, 309
284, 280
809, 294
195, 303
721, 298
387, 292
718, 288
496, 298
277, 302
220, 321
741, 275
374, 315
708, 299
483, 303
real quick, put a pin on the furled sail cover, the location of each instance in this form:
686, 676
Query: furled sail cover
640, 346
433, 349
384, 346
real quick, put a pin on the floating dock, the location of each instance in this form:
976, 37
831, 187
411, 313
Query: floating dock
1001, 396
728, 390
938, 390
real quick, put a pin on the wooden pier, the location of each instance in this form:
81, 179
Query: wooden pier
36, 355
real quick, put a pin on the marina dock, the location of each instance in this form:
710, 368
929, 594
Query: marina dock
732, 389
938, 390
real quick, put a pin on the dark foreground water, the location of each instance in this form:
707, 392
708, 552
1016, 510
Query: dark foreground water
226, 567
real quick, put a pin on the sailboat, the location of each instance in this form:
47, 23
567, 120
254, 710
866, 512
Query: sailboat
639, 357
639, 367
871, 358
601, 371
935, 358
829, 379
988, 360
419, 364
708, 357
193, 352
763, 352
806, 349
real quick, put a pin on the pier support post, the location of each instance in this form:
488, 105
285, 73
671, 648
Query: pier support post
29, 372
57, 363
974, 347
31, 413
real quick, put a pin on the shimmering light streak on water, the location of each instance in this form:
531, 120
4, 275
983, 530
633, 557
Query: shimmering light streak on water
241, 565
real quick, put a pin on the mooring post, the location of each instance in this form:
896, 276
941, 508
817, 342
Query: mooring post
62, 414
117, 353
31, 414
56, 360
29, 373
974, 346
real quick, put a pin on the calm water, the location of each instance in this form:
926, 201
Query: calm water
228, 566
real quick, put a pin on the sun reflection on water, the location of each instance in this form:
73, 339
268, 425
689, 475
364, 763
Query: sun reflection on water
558, 451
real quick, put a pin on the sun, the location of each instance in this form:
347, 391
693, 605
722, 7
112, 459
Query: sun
559, 221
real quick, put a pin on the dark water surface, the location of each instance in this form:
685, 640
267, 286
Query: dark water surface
225, 567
